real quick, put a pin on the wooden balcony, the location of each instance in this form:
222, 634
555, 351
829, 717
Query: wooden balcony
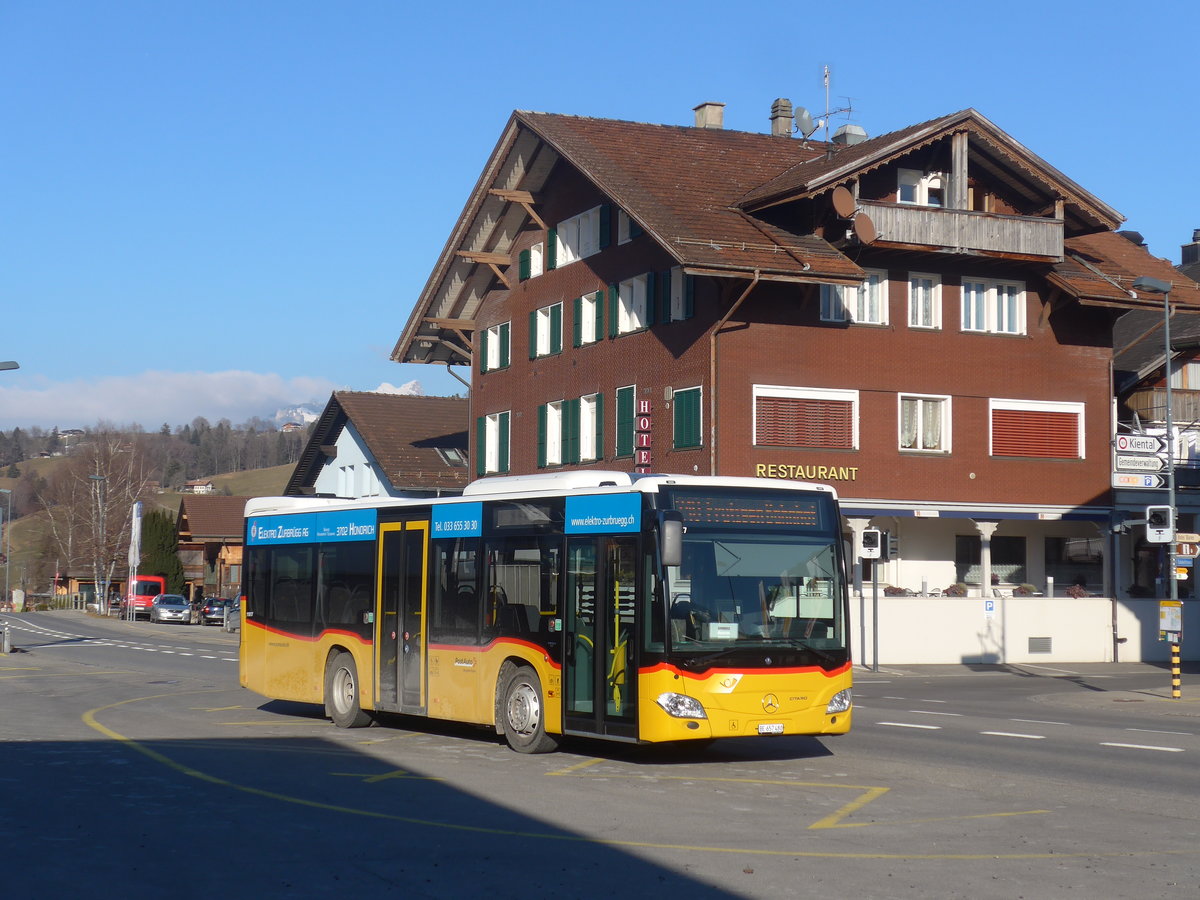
965, 231
1151, 406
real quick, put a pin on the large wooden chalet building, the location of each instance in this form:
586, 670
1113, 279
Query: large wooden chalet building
922, 319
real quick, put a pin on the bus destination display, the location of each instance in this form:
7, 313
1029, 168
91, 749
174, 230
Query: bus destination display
747, 509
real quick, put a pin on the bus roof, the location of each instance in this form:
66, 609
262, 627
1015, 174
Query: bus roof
541, 485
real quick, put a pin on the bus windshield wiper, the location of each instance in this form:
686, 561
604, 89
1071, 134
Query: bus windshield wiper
802, 644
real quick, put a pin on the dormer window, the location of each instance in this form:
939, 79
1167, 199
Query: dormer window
921, 188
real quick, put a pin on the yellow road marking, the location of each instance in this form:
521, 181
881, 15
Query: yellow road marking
216, 708
91, 721
569, 770
386, 776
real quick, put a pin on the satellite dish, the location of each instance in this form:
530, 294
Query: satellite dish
864, 229
843, 202
804, 121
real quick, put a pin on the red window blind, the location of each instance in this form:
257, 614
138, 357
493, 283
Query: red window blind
804, 422
1027, 432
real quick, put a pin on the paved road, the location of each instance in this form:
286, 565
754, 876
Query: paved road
130, 758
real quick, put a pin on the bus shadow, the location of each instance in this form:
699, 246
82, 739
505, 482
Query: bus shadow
307, 817
677, 753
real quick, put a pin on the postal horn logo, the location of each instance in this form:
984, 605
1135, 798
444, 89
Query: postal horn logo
770, 703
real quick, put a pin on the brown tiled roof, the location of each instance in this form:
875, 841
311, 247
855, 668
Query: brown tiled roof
204, 517
683, 185
1100, 268
1085, 211
402, 432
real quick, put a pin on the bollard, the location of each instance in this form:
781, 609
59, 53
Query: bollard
7, 641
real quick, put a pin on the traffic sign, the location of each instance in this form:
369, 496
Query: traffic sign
1187, 537
1139, 463
1139, 443
1136, 480
1187, 549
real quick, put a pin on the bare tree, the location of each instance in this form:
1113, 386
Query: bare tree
88, 504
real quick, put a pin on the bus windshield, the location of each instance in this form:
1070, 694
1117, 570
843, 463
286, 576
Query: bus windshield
756, 590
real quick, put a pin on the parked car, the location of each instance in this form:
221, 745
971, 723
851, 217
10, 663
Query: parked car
212, 611
171, 608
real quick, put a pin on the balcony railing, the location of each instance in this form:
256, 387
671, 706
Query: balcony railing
1151, 406
965, 230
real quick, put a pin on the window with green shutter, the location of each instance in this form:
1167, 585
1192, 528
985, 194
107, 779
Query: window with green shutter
502, 455
570, 431
541, 436
687, 418
625, 421
523, 266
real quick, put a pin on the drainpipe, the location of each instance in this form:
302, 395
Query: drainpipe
712, 375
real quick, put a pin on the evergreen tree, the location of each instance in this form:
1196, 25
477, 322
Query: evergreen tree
160, 549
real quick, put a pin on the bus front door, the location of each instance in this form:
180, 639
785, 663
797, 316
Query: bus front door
403, 549
599, 668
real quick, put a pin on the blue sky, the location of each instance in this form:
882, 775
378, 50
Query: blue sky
220, 208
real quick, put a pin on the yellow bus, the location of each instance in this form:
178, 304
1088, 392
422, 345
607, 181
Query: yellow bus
638, 608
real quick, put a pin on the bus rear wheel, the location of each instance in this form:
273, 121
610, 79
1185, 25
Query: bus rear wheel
523, 713
342, 694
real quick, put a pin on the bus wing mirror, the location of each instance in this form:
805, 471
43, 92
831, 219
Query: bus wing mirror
671, 537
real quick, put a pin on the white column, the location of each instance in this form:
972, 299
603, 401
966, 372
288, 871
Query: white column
986, 530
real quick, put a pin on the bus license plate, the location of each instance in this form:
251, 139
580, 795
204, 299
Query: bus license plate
771, 728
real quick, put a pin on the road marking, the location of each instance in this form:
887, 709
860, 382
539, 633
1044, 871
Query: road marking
933, 701
560, 838
933, 712
386, 776
1142, 747
1013, 734
910, 725
1039, 722
1152, 731
893, 698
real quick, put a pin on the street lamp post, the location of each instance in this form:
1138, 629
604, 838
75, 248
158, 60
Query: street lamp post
7, 543
1158, 286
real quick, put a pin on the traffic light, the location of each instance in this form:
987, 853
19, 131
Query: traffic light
872, 544
1160, 524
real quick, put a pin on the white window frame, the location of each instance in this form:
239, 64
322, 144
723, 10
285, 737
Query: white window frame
853, 302
537, 257
623, 222
983, 298
804, 393
1078, 409
944, 412
494, 345
543, 330
491, 440
577, 237
631, 304
554, 419
935, 300
588, 424
587, 319
924, 187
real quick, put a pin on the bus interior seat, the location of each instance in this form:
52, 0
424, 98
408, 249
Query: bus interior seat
513, 618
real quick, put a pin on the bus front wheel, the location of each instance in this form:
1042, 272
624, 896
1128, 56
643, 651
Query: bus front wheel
341, 692
523, 712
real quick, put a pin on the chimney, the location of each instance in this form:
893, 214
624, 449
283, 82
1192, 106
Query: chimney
781, 117
710, 115
1191, 252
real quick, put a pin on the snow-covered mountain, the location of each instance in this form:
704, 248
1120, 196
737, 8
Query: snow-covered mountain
306, 413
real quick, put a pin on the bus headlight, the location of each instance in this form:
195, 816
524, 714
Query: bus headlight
840, 702
681, 706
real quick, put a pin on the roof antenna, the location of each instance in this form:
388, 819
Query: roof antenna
807, 125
